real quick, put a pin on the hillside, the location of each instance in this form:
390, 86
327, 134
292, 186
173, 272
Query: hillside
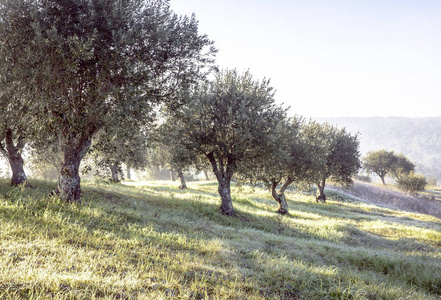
417, 138
153, 241
427, 202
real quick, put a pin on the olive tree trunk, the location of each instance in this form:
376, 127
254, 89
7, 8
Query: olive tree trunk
225, 193
183, 185
114, 172
206, 175
13, 155
280, 196
321, 191
223, 176
382, 179
69, 179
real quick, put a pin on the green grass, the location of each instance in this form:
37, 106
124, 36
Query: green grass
154, 241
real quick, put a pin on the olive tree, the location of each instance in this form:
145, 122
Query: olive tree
169, 150
402, 167
14, 133
112, 147
229, 122
125, 140
380, 162
285, 161
334, 154
85, 60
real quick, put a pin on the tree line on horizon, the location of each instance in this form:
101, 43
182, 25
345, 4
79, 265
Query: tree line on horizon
114, 79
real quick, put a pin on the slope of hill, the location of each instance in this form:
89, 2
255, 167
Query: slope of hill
384, 196
154, 241
417, 138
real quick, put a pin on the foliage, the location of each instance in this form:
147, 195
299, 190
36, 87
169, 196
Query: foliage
14, 132
83, 62
122, 143
286, 161
380, 162
402, 167
45, 156
169, 150
383, 162
412, 183
333, 154
154, 241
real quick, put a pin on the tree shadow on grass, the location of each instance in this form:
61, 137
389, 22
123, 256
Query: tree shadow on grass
289, 279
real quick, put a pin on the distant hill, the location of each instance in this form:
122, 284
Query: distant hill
417, 138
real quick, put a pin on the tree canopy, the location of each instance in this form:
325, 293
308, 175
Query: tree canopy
402, 167
230, 122
382, 162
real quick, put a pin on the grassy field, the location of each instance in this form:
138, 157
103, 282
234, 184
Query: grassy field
153, 241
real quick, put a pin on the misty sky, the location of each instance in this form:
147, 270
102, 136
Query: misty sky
332, 58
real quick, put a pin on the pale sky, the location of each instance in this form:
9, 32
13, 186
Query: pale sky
332, 58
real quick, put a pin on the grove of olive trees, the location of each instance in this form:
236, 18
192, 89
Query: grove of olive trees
91, 77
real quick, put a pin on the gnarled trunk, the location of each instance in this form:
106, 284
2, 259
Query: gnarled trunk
114, 172
183, 185
13, 154
225, 193
223, 177
69, 179
321, 191
280, 197
18, 173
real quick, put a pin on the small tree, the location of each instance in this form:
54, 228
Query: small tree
284, 162
402, 167
126, 141
380, 162
230, 122
169, 150
412, 183
334, 155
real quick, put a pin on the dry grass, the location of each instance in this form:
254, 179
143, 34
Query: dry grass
425, 203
